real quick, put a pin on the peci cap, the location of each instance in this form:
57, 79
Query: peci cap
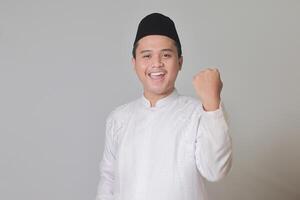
157, 24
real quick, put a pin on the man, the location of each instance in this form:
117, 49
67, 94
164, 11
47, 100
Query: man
162, 145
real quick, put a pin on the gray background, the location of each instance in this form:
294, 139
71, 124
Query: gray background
64, 65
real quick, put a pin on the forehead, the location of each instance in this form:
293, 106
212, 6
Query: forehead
156, 42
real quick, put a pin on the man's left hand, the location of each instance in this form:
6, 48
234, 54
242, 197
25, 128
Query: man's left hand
208, 86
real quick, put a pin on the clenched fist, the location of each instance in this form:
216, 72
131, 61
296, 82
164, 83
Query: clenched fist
208, 86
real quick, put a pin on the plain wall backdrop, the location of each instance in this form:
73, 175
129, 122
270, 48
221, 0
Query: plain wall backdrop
64, 65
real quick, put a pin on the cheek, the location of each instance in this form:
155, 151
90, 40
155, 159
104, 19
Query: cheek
173, 76
141, 69
173, 69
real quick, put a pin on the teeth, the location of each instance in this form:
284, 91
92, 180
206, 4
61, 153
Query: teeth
156, 73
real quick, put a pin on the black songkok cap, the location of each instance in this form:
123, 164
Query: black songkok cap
157, 24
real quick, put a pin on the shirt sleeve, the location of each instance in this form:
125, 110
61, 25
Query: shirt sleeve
105, 187
213, 145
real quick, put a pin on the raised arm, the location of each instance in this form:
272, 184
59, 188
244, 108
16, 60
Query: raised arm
213, 143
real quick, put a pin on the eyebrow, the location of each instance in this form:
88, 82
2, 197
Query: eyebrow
146, 51
171, 50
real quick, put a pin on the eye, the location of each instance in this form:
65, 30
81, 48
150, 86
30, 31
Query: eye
167, 55
146, 56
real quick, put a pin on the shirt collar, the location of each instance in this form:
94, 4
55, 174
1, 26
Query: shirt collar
163, 101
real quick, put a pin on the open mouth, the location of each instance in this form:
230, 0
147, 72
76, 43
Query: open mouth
157, 75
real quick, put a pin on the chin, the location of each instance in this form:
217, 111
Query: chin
158, 91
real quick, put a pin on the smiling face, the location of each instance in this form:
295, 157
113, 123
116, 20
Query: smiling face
157, 64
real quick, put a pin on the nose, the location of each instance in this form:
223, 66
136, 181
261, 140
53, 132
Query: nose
156, 61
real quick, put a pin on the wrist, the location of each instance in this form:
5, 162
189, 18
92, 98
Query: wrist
211, 106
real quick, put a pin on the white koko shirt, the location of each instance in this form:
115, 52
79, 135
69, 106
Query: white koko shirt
163, 152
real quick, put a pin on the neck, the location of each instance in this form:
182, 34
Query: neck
153, 98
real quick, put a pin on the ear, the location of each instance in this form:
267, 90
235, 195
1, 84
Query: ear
133, 62
180, 60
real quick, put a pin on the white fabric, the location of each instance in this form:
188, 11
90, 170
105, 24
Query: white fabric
163, 152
